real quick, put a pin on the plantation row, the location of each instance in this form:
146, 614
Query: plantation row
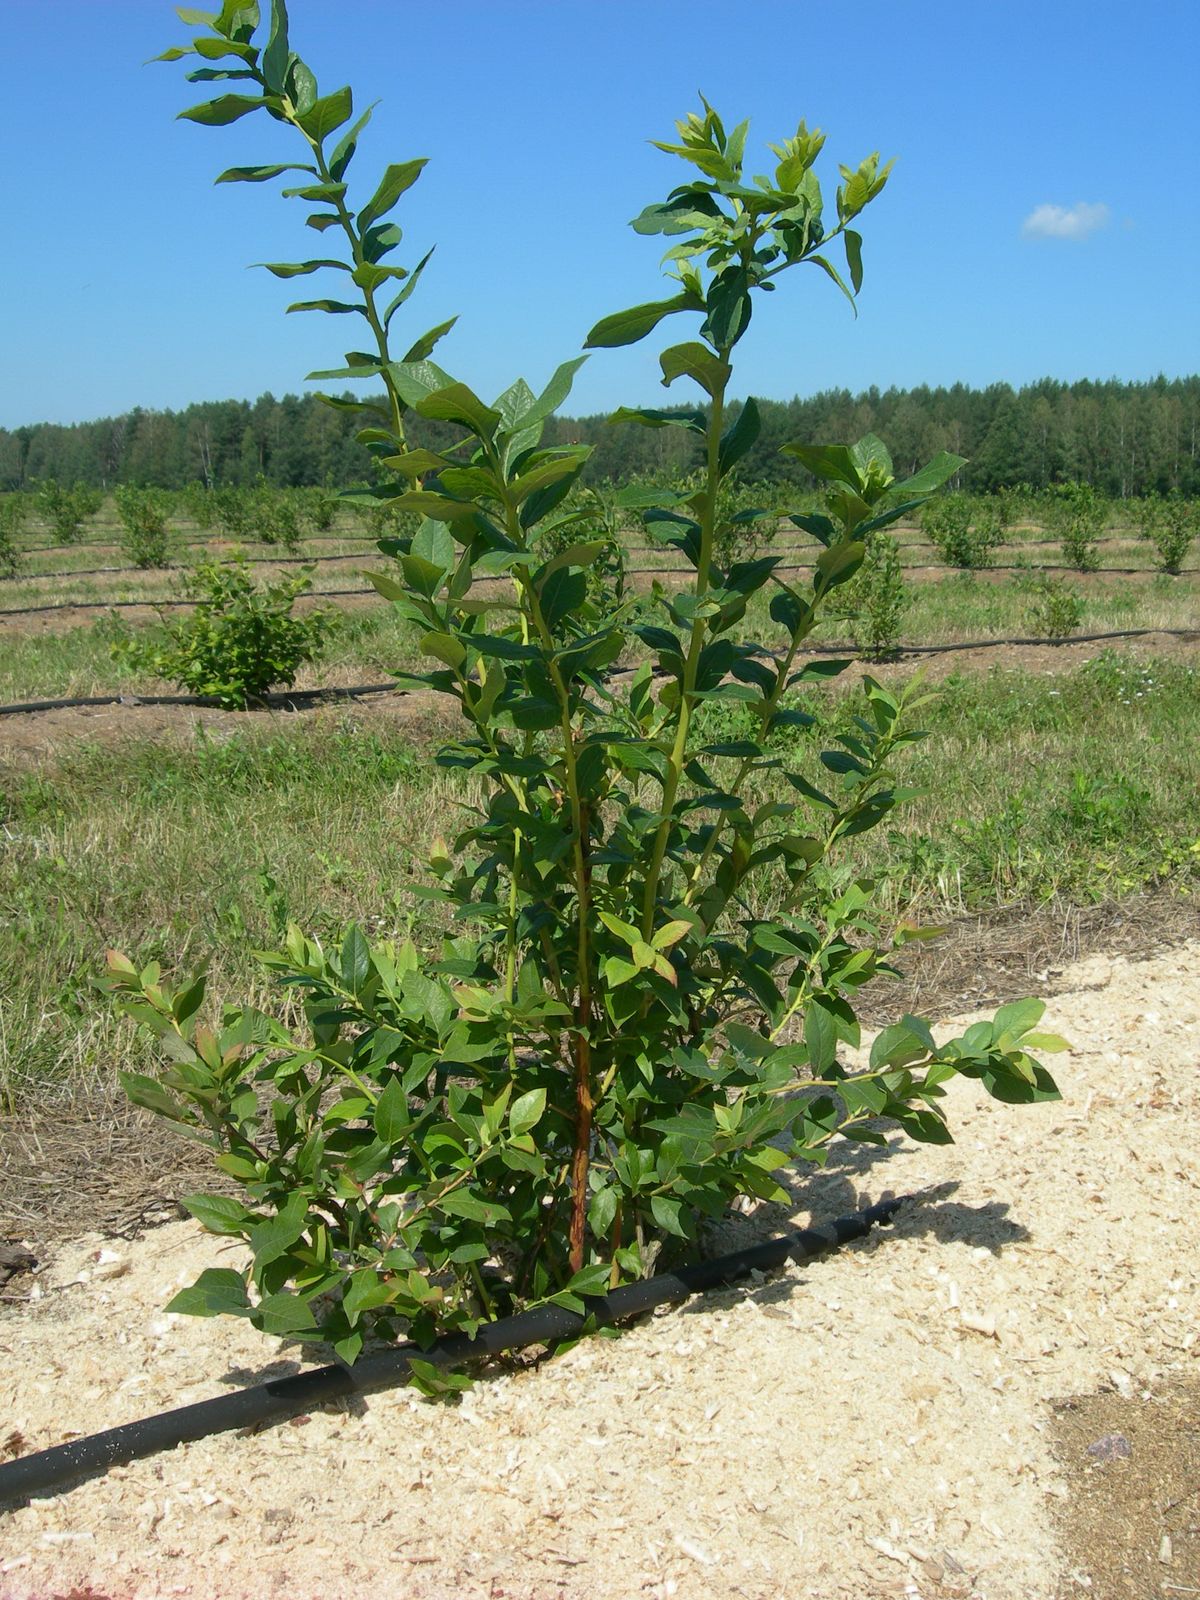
965, 530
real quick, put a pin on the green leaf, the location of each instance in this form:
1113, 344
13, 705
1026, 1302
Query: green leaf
334, 307
218, 1213
343, 151
695, 421
283, 1313
839, 563
457, 403
399, 177
444, 647
328, 113
261, 174
225, 108
943, 466
273, 1238
527, 1111
218, 1291
828, 267
275, 56
431, 1381
392, 1119
1018, 1017
1014, 1089
666, 1211
739, 438
696, 361
149, 1093
426, 342
355, 958
627, 327
364, 1292
299, 269
832, 463
853, 243
563, 593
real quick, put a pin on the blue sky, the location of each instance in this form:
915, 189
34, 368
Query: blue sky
1043, 217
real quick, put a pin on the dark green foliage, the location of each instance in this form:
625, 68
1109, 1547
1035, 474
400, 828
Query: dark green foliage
233, 511
964, 531
1171, 524
1056, 609
875, 600
64, 509
276, 517
147, 536
13, 511
1127, 439
613, 1040
1079, 515
239, 641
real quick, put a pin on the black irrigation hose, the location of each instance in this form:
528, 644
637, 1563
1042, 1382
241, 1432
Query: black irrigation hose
298, 697
202, 540
277, 697
53, 1469
154, 605
251, 561
953, 572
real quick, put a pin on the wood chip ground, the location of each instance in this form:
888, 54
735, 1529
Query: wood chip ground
877, 1423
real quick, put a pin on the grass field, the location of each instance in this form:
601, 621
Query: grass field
1076, 783
195, 849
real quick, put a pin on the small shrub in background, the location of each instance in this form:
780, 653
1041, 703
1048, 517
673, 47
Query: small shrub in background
196, 503
1079, 515
13, 510
1055, 610
597, 517
1170, 525
233, 511
65, 510
1013, 504
319, 508
240, 641
963, 531
277, 518
875, 599
143, 514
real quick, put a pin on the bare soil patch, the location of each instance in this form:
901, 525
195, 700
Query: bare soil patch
1130, 1522
876, 1423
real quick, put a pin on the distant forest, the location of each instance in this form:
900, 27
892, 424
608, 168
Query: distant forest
1124, 438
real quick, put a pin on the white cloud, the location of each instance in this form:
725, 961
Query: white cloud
1064, 222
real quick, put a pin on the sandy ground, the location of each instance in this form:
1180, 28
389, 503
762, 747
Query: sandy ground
876, 1423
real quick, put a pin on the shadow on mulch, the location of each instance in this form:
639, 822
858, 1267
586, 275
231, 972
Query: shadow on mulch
1130, 1525
96, 1163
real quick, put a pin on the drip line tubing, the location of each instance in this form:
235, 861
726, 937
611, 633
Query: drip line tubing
250, 561
151, 604
49, 1470
277, 697
291, 697
630, 550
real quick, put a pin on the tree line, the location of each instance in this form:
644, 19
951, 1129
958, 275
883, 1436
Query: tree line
1124, 439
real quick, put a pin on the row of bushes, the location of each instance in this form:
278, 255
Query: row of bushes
283, 517
966, 530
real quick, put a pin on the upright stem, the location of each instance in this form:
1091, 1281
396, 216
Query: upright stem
580, 828
368, 294
687, 687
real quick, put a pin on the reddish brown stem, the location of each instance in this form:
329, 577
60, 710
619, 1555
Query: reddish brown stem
583, 1140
